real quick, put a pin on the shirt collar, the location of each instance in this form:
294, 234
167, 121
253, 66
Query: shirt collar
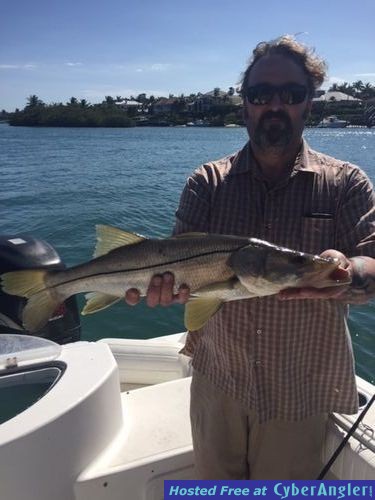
244, 161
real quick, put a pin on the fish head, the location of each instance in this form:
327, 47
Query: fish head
265, 268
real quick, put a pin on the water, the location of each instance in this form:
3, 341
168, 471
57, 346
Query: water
56, 184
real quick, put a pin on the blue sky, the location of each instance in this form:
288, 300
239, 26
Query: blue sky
90, 49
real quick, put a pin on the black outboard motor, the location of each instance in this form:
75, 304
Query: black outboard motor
21, 252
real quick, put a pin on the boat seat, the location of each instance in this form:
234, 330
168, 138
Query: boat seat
155, 445
141, 362
156, 419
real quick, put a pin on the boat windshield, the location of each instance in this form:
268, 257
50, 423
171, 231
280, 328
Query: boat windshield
25, 350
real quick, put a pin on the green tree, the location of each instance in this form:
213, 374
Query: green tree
368, 91
358, 86
109, 101
346, 88
334, 87
142, 98
33, 101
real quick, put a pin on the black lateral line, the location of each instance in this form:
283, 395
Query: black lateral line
215, 252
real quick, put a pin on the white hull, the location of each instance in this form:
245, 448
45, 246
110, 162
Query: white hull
332, 122
116, 425
332, 125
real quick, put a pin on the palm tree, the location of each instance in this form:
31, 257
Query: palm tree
346, 88
358, 86
368, 91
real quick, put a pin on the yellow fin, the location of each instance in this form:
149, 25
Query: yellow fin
23, 283
98, 301
199, 310
39, 308
108, 238
31, 284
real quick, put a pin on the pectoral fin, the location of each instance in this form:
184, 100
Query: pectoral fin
199, 310
97, 301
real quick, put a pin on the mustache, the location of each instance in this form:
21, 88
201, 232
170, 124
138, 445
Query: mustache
275, 114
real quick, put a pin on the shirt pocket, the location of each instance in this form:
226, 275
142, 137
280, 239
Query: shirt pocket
317, 234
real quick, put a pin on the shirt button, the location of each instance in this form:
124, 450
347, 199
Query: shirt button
259, 331
258, 362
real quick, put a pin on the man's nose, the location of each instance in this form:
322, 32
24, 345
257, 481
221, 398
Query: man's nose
275, 103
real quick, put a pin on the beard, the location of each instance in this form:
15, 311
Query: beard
273, 135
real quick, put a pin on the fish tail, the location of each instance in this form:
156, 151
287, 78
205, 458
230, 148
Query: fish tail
41, 303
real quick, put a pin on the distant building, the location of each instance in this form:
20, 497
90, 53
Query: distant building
236, 100
333, 96
129, 104
163, 106
206, 101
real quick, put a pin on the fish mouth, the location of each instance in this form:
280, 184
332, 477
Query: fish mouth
326, 272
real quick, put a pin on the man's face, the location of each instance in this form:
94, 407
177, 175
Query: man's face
276, 126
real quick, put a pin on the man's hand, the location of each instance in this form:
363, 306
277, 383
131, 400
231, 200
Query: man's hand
361, 271
160, 292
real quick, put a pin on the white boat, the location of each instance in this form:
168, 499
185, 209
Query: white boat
332, 122
111, 421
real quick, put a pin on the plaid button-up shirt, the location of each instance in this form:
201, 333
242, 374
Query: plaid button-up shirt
285, 359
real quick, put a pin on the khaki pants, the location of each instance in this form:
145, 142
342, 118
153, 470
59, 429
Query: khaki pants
229, 443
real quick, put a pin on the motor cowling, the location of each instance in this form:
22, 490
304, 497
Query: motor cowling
20, 252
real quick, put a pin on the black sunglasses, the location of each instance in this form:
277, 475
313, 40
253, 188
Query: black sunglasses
289, 93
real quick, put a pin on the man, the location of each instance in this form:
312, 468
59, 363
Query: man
268, 370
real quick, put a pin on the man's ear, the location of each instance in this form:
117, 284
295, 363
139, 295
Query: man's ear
245, 114
307, 112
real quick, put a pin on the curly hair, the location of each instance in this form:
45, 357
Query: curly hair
314, 67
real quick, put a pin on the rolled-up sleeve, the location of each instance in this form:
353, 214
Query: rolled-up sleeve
356, 217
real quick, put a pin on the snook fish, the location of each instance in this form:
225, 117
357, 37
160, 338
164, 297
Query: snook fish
217, 268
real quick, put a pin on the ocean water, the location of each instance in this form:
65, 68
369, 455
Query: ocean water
56, 184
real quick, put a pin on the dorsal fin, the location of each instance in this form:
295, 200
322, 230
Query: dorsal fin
108, 238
